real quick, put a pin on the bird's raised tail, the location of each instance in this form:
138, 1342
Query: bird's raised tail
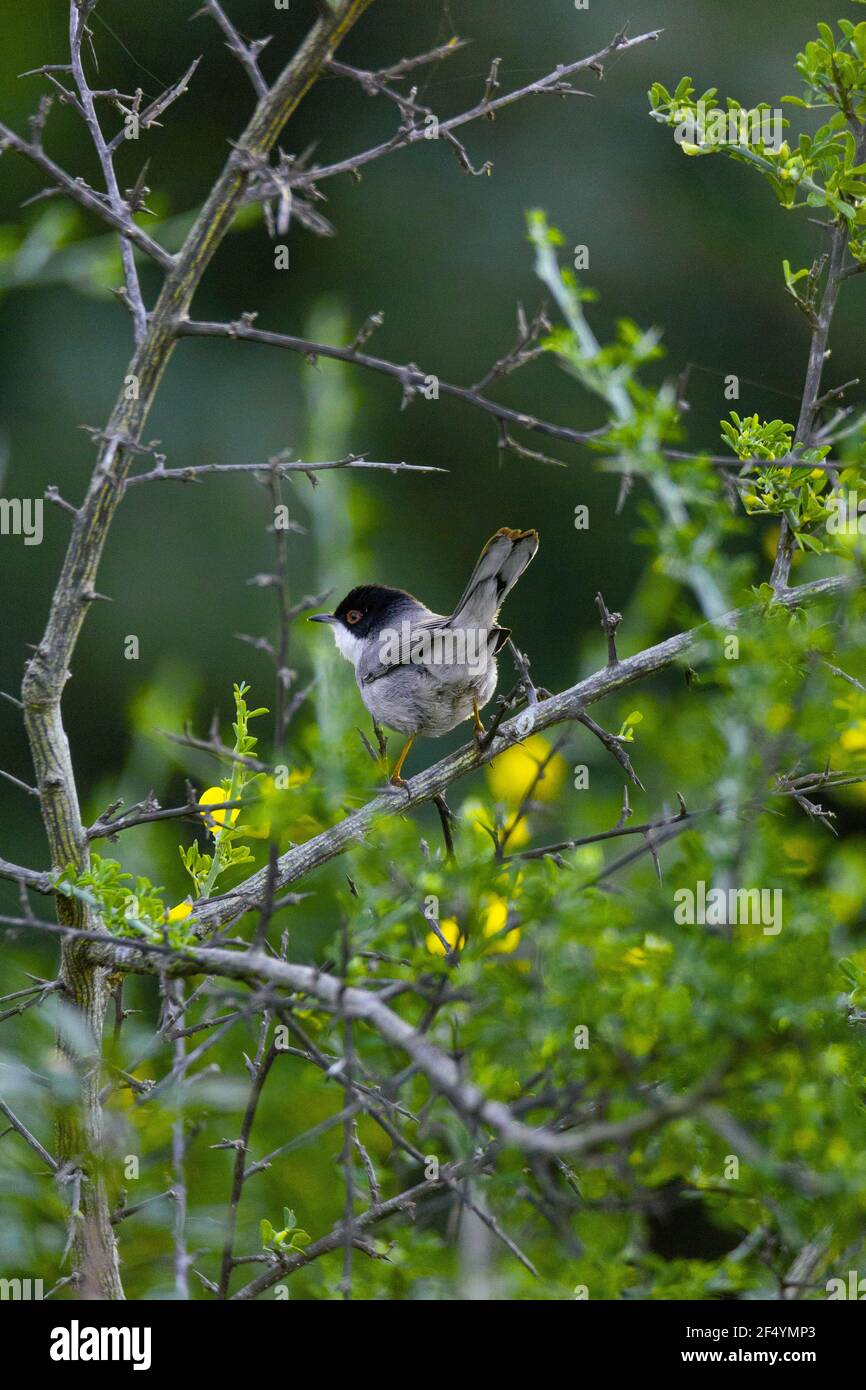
500, 565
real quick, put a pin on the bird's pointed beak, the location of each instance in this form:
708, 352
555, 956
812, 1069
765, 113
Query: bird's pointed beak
321, 618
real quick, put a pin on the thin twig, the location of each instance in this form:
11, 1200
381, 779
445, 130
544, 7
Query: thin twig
410, 377
29, 1138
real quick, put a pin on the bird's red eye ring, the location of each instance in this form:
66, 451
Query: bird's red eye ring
353, 616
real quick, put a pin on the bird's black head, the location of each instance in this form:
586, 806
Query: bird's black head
367, 609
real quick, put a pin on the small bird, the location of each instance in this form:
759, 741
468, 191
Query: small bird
420, 672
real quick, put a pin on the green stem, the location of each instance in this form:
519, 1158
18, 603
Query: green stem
216, 868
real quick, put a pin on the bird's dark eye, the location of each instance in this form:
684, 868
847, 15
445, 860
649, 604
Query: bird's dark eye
353, 616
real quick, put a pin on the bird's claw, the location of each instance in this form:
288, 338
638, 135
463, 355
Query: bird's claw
397, 784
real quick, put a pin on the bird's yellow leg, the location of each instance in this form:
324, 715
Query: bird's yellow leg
476, 720
396, 779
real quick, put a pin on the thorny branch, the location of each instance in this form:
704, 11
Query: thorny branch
567, 705
410, 132
410, 377
818, 351
47, 671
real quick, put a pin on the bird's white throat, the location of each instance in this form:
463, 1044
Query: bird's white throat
348, 645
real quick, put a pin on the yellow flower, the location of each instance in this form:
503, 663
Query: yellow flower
637, 956
854, 740
516, 834
511, 774
180, 912
493, 919
689, 149
450, 929
217, 820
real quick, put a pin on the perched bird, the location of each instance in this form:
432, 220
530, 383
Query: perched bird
421, 672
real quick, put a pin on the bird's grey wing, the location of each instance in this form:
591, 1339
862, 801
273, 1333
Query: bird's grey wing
393, 649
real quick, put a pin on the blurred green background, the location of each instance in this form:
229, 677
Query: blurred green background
692, 245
